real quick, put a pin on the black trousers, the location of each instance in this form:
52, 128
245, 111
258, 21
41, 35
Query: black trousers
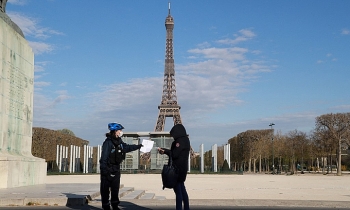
110, 183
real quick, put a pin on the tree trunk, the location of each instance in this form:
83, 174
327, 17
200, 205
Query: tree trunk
260, 164
254, 165
339, 158
280, 165
249, 164
331, 162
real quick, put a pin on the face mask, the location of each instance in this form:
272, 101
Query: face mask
120, 133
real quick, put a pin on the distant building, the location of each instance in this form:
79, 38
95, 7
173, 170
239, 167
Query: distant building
153, 160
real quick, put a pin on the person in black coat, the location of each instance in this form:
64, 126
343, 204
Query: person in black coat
113, 153
179, 152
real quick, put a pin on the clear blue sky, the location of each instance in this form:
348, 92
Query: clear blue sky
239, 65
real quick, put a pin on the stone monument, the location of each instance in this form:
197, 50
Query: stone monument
18, 167
3, 5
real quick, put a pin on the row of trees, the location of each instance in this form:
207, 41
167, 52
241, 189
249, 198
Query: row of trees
265, 150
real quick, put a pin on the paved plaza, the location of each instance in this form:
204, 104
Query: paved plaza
210, 190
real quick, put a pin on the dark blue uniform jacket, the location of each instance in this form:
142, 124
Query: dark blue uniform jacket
107, 147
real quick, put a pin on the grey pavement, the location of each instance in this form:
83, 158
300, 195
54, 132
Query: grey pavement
215, 191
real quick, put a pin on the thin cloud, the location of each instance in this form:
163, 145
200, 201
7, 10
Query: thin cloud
42, 84
47, 114
204, 45
59, 99
40, 66
329, 58
345, 31
127, 94
344, 107
212, 28
256, 52
30, 26
234, 53
31, 29
247, 33
242, 36
18, 2
41, 108
41, 47
45, 109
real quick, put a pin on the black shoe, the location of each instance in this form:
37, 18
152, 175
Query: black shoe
105, 207
115, 207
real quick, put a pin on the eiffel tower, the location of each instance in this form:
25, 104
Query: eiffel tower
168, 106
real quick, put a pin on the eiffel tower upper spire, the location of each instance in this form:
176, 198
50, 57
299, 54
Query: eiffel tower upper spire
169, 8
168, 106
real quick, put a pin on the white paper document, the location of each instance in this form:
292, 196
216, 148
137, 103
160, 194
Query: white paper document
147, 145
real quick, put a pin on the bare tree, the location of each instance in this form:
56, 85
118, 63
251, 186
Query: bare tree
260, 144
296, 144
252, 145
280, 149
337, 128
323, 146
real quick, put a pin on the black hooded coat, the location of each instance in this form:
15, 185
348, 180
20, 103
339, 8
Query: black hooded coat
179, 151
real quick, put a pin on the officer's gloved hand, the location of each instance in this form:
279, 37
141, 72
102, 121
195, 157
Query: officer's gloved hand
139, 146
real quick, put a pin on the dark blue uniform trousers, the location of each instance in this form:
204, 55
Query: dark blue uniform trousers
110, 183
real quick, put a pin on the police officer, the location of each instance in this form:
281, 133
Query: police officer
113, 153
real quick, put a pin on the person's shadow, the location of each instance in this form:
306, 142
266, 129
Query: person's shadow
75, 202
123, 205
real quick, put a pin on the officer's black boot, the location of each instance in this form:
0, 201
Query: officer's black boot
106, 207
115, 207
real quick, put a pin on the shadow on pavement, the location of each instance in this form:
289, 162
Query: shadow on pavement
129, 205
123, 205
86, 207
132, 206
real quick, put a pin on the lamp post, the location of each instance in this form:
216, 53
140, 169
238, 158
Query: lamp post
273, 155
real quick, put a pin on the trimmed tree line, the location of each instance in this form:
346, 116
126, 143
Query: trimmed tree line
45, 141
324, 149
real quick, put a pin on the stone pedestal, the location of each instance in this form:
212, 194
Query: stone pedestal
18, 167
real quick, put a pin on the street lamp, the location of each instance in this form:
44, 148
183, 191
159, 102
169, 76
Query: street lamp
273, 155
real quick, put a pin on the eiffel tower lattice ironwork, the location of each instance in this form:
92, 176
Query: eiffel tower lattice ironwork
168, 106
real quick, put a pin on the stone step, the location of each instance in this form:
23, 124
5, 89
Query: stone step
125, 191
136, 194
147, 196
129, 193
160, 198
